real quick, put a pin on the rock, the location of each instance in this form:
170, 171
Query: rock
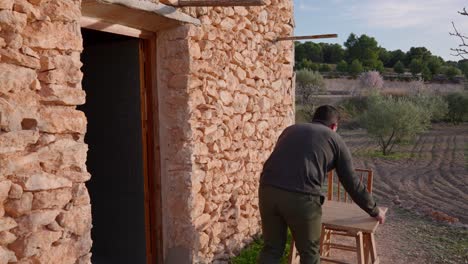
201, 222
4, 189
6, 238
61, 10
15, 78
240, 103
62, 120
204, 239
62, 95
77, 220
80, 194
396, 200
52, 199
6, 4
12, 21
34, 243
17, 140
16, 191
19, 207
7, 256
225, 97
53, 35
36, 220
41, 181
7, 223
23, 6
86, 259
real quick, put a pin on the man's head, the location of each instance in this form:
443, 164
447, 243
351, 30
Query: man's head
328, 115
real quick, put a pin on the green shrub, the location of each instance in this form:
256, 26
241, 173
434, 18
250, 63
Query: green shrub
435, 107
457, 107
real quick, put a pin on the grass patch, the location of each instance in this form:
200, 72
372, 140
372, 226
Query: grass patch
249, 254
445, 243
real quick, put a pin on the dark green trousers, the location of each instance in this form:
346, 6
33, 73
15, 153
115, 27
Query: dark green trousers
302, 213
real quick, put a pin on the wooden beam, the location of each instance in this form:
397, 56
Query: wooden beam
161, 10
220, 3
98, 24
308, 37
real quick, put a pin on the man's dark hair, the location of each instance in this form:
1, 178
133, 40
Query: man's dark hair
326, 114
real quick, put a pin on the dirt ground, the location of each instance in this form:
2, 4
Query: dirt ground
430, 179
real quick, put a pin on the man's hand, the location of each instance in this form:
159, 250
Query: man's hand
381, 216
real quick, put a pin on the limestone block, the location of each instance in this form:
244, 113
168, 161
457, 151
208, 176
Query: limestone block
77, 220
4, 189
61, 69
53, 35
240, 103
66, 251
61, 10
67, 156
11, 39
227, 23
52, 199
2, 42
7, 256
62, 95
36, 220
202, 222
80, 194
61, 120
17, 140
203, 239
86, 259
199, 206
7, 223
12, 21
19, 207
34, 243
6, 4
6, 238
15, 78
41, 181
32, 12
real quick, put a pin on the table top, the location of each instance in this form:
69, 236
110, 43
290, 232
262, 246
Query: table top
348, 216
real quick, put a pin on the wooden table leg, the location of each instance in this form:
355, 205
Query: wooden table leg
367, 248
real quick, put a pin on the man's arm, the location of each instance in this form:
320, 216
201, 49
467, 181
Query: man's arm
357, 190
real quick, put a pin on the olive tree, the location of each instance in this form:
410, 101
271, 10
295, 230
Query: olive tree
391, 120
308, 85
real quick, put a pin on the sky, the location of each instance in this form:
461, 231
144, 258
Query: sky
395, 24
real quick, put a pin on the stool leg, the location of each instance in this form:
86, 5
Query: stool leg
293, 253
360, 248
373, 249
367, 248
322, 241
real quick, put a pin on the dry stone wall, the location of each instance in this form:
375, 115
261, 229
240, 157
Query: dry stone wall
222, 110
45, 212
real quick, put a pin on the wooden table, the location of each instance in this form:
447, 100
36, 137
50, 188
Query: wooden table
348, 217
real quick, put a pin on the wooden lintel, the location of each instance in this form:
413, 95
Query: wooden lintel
98, 24
220, 3
158, 9
308, 37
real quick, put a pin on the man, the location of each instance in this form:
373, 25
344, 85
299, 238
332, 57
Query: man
290, 186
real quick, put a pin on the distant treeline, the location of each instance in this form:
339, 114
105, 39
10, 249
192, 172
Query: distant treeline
363, 53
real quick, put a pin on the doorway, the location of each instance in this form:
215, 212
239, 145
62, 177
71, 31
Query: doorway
117, 136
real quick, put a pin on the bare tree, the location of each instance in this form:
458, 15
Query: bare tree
462, 49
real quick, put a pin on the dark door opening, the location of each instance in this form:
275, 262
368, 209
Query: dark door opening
111, 67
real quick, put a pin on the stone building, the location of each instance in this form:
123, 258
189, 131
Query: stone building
134, 131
